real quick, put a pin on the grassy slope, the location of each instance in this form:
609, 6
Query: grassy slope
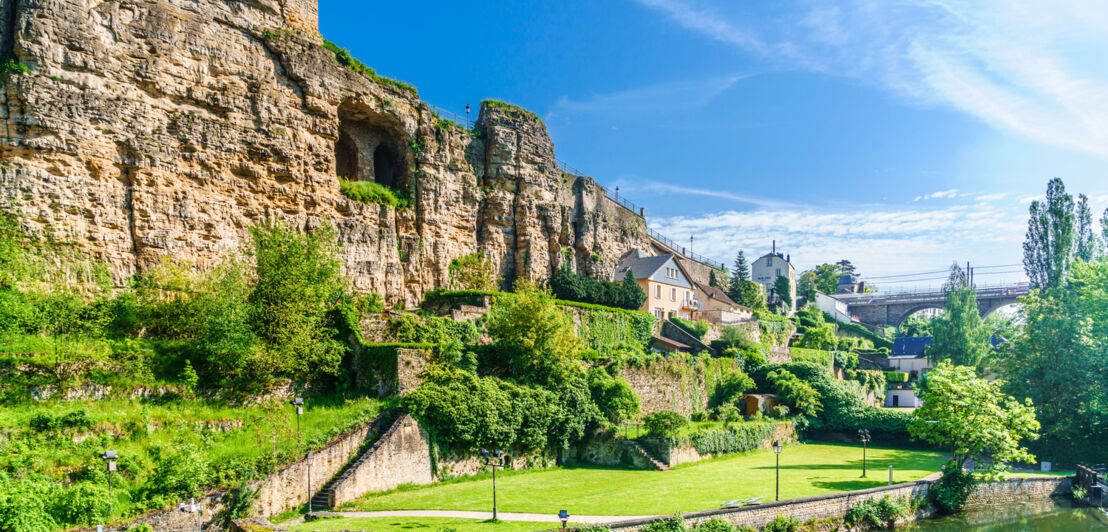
807, 469
139, 429
396, 524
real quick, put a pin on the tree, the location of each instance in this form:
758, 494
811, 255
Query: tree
959, 335
614, 396
741, 271
719, 279
748, 294
845, 266
782, 287
913, 327
298, 282
797, 394
473, 272
633, 295
1049, 246
1088, 245
973, 418
1058, 362
1104, 230
537, 336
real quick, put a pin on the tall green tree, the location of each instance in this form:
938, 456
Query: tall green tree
633, 295
536, 335
1058, 362
974, 419
741, 271
783, 288
1104, 230
1088, 245
1049, 246
748, 294
914, 326
298, 281
959, 334
845, 266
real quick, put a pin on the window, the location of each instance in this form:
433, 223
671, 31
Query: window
673, 294
779, 272
658, 291
658, 312
769, 261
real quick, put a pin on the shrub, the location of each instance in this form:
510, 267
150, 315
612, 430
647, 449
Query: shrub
950, 492
754, 358
796, 393
732, 386
83, 504
342, 55
696, 328
664, 424
473, 272
782, 523
535, 334
698, 416
714, 525
370, 192
816, 356
780, 411
736, 438
896, 376
179, 474
613, 396
23, 504
878, 513
670, 524
576, 287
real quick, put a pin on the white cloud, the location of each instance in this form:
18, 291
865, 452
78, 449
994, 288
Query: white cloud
936, 195
659, 98
1029, 68
639, 185
992, 197
880, 241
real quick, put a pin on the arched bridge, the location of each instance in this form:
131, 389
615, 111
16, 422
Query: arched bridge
892, 308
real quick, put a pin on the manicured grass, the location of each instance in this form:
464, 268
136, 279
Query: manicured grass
806, 469
399, 524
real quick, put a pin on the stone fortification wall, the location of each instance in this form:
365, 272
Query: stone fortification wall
674, 385
835, 505
148, 130
401, 456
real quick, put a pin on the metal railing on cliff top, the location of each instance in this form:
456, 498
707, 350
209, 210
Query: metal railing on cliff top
613, 196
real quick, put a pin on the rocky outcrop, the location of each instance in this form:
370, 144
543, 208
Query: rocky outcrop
148, 130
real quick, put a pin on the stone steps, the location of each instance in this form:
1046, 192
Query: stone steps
641, 451
322, 498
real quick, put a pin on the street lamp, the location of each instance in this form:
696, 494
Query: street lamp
564, 516
309, 487
467, 116
863, 434
299, 404
493, 459
192, 508
777, 448
110, 457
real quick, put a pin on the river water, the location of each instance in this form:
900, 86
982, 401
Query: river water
1055, 515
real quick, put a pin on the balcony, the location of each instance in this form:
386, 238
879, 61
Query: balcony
690, 304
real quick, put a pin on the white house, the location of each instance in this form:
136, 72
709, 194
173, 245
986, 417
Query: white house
768, 268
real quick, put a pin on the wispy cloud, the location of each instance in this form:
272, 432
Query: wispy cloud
639, 185
992, 197
659, 98
940, 194
1022, 67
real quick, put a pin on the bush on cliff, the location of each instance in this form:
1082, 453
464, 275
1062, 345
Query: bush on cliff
374, 193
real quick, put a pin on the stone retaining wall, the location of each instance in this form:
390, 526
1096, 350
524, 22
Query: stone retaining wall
835, 505
684, 452
401, 456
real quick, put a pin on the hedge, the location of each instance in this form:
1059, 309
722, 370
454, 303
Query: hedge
695, 328
896, 376
736, 438
817, 356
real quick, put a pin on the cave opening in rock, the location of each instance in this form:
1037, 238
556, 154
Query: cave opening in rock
370, 147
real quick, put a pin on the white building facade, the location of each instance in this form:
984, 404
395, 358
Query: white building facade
768, 268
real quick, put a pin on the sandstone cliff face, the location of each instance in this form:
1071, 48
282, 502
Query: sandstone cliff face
166, 128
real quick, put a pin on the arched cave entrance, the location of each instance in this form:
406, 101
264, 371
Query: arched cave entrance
370, 146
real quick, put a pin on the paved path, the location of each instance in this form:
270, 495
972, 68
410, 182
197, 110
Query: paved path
503, 516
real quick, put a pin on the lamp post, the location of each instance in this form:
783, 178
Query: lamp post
309, 487
493, 459
110, 457
299, 404
863, 434
777, 448
564, 516
467, 116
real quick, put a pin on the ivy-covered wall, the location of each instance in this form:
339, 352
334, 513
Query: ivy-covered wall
680, 384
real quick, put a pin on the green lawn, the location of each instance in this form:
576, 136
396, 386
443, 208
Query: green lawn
806, 469
430, 524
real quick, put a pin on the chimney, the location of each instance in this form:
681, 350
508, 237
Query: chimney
788, 258
774, 251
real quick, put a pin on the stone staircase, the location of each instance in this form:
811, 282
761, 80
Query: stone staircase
322, 500
638, 449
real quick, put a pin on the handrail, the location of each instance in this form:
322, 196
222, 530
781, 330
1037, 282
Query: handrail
452, 116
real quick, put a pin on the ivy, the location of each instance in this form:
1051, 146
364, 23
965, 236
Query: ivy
736, 438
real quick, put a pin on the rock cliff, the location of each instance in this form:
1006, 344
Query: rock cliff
165, 128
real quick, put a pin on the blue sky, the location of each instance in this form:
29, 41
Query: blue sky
902, 135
